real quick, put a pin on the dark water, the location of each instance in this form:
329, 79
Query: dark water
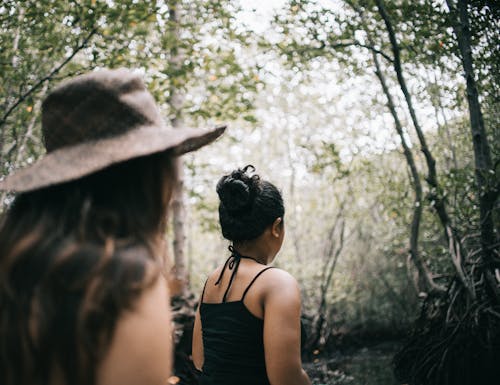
364, 366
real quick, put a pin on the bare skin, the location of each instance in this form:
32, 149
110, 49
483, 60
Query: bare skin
141, 349
274, 297
140, 352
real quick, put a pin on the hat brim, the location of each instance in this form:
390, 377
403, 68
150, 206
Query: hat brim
74, 162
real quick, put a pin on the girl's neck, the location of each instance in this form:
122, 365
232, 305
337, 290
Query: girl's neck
253, 251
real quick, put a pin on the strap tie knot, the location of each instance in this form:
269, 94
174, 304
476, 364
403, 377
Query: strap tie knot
232, 262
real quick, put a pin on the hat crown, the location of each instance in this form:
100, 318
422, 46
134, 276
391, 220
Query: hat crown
95, 106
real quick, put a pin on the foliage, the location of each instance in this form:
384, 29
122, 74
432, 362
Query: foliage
45, 41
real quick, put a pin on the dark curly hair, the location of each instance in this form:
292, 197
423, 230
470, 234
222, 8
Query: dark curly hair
248, 204
73, 258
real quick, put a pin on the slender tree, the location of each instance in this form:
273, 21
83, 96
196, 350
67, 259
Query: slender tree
435, 194
486, 178
426, 281
176, 102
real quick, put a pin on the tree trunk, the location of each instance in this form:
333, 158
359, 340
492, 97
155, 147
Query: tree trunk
425, 280
292, 225
178, 204
435, 195
485, 173
332, 253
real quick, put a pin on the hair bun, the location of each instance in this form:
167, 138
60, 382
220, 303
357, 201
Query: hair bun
236, 190
248, 205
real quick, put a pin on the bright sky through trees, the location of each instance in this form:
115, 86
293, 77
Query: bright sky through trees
343, 104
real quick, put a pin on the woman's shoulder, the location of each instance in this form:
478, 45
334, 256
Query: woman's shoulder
281, 292
273, 280
214, 274
282, 276
281, 281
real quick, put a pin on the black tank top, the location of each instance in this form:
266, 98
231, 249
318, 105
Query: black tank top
233, 341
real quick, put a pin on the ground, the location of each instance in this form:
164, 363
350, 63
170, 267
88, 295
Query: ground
369, 365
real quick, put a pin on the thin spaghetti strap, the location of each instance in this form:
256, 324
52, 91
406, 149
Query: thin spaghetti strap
203, 292
232, 263
253, 280
231, 279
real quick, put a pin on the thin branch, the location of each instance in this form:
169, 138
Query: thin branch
23, 97
367, 46
359, 10
343, 44
456, 257
329, 245
29, 131
333, 254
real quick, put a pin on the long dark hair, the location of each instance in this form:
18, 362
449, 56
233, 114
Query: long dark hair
73, 257
248, 204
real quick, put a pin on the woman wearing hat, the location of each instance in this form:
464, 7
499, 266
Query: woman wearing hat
82, 295
247, 328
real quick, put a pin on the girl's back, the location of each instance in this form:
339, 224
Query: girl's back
233, 327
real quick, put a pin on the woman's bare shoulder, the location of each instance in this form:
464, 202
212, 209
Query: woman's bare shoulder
141, 344
281, 275
281, 281
214, 274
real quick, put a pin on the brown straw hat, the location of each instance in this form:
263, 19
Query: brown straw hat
98, 119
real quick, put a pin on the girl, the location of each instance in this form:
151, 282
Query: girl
247, 328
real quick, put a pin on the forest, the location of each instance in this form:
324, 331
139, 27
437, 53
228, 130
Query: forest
379, 121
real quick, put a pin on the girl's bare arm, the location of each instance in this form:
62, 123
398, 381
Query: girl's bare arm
282, 331
197, 352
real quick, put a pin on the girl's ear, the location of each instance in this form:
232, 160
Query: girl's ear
276, 227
